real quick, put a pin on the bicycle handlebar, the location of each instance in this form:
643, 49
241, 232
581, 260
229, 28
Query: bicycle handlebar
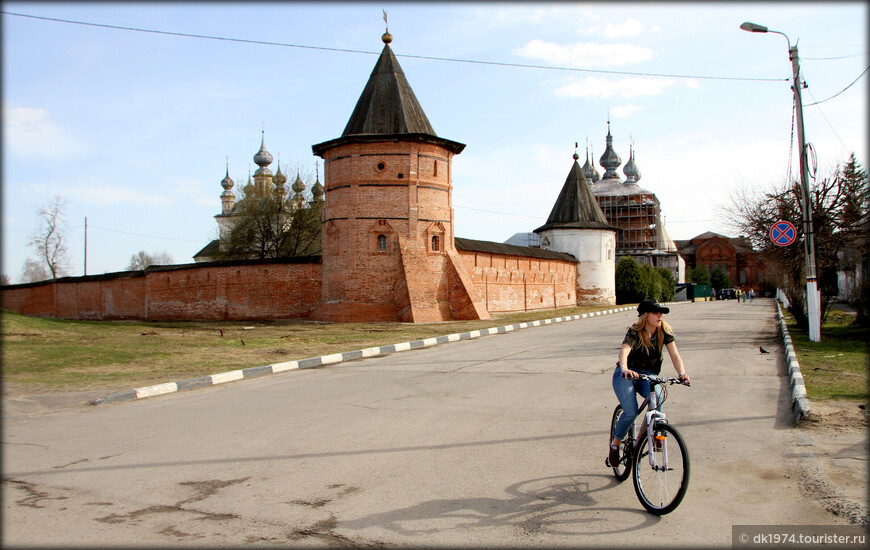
653, 380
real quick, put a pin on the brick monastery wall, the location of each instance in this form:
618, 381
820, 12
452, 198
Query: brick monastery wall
520, 283
255, 290
276, 290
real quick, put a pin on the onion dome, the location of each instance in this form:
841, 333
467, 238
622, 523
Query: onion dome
317, 188
589, 169
298, 186
317, 191
227, 183
249, 187
610, 161
280, 179
263, 159
631, 171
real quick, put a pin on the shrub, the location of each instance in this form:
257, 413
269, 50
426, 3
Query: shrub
628, 281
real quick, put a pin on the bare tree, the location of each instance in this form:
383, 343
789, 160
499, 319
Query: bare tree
143, 259
5, 280
49, 238
33, 271
838, 203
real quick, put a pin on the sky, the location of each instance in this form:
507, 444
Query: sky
135, 130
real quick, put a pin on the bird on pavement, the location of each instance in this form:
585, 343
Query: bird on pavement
762, 350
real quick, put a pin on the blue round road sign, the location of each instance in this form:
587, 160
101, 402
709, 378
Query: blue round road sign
783, 233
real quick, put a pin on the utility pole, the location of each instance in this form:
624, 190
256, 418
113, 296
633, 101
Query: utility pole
813, 298
86, 245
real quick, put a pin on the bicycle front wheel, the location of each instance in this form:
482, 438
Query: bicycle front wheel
623, 469
661, 490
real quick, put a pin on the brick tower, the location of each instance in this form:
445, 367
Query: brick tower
388, 248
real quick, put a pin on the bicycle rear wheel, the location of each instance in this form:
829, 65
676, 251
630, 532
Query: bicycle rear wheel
623, 468
659, 490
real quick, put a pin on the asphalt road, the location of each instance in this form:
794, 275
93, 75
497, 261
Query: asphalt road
498, 441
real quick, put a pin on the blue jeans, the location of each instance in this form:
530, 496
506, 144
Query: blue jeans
626, 391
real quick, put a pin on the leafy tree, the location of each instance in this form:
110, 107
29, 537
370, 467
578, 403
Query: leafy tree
699, 275
142, 259
652, 282
33, 271
49, 238
839, 205
669, 284
719, 280
629, 284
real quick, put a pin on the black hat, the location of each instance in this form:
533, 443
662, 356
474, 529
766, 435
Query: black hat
651, 306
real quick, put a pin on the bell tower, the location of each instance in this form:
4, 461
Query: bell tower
388, 249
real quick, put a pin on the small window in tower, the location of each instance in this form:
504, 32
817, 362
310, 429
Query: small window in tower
435, 243
435, 168
382, 243
381, 166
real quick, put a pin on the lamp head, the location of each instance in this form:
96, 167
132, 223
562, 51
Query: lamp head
752, 27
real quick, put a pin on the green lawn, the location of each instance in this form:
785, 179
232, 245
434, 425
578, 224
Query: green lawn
837, 366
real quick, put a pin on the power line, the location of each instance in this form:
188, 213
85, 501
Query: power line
431, 58
91, 226
841, 91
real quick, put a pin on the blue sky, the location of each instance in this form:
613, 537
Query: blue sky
134, 129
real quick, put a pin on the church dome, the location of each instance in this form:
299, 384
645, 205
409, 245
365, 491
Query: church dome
263, 157
610, 161
280, 179
317, 190
631, 171
589, 170
227, 183
298, 186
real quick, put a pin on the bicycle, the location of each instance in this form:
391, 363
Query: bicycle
661, 481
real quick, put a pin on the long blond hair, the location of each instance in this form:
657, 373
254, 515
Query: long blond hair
640, 328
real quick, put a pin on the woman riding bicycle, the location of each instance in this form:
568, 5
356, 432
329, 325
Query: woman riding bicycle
641, 353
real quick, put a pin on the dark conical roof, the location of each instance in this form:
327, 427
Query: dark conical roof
388, 109
388, 105
576, 207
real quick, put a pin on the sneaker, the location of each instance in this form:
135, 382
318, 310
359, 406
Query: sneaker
613, 457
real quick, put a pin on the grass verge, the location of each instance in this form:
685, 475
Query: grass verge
53, 355
837, 366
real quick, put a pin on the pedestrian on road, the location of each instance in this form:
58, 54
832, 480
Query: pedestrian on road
641, 353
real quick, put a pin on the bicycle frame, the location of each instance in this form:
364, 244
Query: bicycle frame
652, 416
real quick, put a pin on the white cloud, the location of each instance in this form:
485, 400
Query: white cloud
631, 27
582, 55
623, 111
602, 87
31, 134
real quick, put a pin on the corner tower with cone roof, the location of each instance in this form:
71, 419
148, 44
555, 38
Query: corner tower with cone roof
577, 226
388, 242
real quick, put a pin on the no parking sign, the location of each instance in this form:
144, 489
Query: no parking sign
783, 233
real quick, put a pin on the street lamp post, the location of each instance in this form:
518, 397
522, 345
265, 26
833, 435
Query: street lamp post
813, 298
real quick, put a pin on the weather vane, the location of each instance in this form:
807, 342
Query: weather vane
385, 21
